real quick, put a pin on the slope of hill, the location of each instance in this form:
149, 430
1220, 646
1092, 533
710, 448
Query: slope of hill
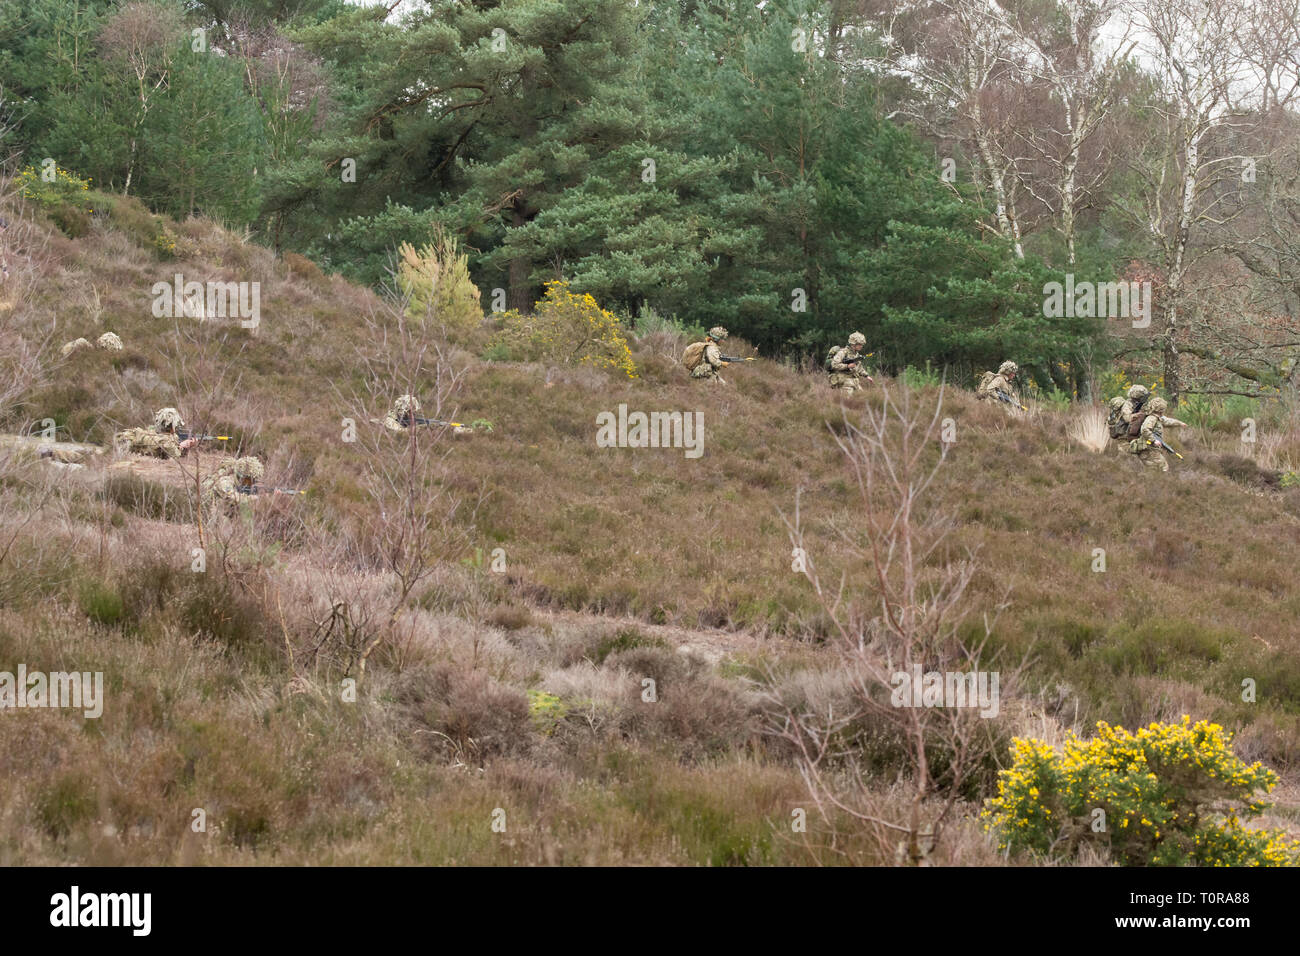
348, 681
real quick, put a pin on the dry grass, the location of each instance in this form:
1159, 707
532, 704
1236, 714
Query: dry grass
1088, 429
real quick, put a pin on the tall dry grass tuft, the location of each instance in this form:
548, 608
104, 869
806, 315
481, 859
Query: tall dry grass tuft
1087, 428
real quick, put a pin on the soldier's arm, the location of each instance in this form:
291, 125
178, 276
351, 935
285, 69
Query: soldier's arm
1149, 427
1173, 421
841, 362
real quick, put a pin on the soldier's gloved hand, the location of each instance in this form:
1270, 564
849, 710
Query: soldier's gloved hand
871, 380
725, 364
189, 443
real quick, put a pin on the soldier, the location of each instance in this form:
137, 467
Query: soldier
406, 412
398, 419
233, 477
1138, 396
162, 442
999, 386
1154, 422
704, 359
845, 365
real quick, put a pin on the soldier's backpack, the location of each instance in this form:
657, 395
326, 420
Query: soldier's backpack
830, 358
985, 381
1117, 427
1135, 425
693, 355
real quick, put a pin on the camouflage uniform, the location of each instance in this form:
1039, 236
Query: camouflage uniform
109, 342
76, 345
1153, 428
1114, 409
711, 361
160, 442
223, 484
62, 455
1000, 382
844, 376
1137, 397
404, 408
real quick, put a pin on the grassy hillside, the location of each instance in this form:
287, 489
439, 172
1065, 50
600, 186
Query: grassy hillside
521, 689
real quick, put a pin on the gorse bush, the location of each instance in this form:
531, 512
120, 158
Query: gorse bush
436, 279
65, 199
567, 329
1169, 795
65, 188
546, 710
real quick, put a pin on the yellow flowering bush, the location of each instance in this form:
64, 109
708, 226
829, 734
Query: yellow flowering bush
1170, 794
566, 328
435, 279
67, 187
165, 245
66, 200
546, 710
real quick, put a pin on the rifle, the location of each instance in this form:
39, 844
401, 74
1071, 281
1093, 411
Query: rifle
1003, 396
1160, 443
258, 489
406, 422
734, 358
186, 436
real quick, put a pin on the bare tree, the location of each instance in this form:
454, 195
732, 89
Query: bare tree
144, 37
957, 53
416, 522
905, 617
1215, 76
1081, 72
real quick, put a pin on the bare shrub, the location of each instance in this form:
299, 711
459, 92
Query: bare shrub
416, 519
905, 619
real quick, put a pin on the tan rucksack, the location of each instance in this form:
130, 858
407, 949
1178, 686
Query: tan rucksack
694, 355
985, 380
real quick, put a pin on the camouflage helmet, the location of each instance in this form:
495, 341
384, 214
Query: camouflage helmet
1138, 393
1158, 406
857, 338
109, 341
717, 333
405, 405
248, 467
168, 420
1008, 368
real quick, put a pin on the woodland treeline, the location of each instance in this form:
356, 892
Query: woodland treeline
793, 169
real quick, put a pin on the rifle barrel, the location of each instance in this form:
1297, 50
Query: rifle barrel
437, 421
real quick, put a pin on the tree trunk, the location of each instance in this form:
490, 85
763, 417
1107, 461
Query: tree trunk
520, 293
1191, 172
